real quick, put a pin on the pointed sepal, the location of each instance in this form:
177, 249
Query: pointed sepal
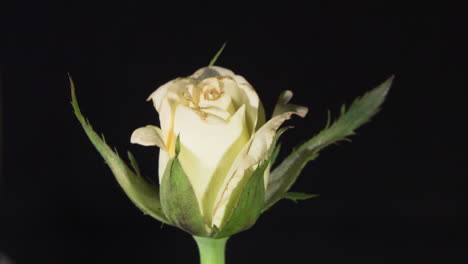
178, 199
297, 196
360, 112
215, 58
243, 211
141, 192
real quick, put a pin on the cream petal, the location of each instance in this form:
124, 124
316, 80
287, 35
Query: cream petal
167, 123
219, 111
165, 100
282, 105
222, 106
216, 71
158, 95
212, 71
244, 94
164, 158
249, 158
148, 136
228, 73
204, 143
261, 119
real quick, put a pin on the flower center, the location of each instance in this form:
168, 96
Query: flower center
207, 98
212, 93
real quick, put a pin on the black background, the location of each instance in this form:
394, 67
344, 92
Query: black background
393, 195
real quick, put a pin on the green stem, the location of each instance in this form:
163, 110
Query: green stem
211, 250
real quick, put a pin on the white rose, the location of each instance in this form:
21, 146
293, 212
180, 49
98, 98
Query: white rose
220, 122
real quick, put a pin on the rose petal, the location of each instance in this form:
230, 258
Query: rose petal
205, 141
282, 105
212, 71
158, 95
148, 136
164, 158
261, 118
244, 94
165, 100
250, 157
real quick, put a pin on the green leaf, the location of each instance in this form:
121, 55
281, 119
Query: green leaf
143, 194
246, 209
215, 58
296, 196
179, 202
361, 111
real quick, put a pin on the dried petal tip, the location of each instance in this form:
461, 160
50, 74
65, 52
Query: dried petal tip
282, 105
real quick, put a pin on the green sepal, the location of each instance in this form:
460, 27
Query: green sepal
134, 163
297, 196
274, 154
360, 112
245, 208
248, 206
216, 56
177, 146
141, 192
276, 146
178, 200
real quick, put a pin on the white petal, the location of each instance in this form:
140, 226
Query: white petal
205, 142
158, 95
162, 164
165, 100
261, 119
166, 115
228, 73
244, 94
212, 71
222, 106
148, 136
282, 105
249, 158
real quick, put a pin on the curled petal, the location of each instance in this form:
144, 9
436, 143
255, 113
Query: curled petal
255, 152
213, 71
282, 105
168, 96
165, 100
148, 136
244, 94
158, 95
